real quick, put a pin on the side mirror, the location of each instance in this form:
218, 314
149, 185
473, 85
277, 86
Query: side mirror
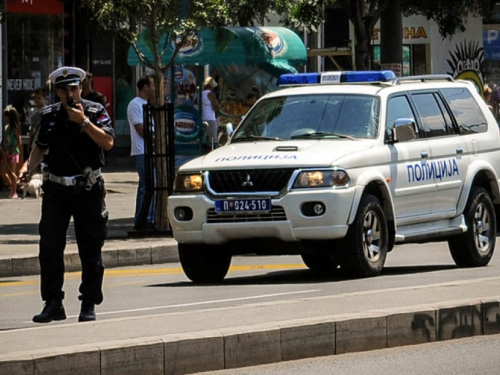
403, 130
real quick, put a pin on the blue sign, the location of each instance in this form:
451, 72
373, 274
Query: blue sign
491, 44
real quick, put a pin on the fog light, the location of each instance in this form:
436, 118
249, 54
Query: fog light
318, 209
183, 213
313, 209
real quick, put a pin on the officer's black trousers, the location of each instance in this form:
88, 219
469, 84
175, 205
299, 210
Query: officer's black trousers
90, 219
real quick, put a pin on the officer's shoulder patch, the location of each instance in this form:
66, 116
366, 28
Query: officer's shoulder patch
50, 109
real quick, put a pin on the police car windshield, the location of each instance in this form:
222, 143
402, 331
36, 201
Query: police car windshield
323, 116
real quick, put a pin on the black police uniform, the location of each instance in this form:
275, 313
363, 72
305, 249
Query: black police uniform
70, 151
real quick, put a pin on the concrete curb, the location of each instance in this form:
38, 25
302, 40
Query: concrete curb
265, 343
112, 258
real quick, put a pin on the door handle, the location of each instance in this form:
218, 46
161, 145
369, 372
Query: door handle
460, 150
424, 154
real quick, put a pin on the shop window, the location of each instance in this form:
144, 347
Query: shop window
34, 49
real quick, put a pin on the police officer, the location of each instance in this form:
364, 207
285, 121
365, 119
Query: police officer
71, 138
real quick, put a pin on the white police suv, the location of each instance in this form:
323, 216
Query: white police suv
339, 167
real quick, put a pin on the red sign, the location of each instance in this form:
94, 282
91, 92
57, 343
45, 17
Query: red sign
35, 6
104, 85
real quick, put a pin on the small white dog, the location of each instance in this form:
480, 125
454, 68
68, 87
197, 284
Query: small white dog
33, 187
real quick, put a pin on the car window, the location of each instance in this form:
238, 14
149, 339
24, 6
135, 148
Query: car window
447, 117
398, 107
431, 117
470, 118
293, 116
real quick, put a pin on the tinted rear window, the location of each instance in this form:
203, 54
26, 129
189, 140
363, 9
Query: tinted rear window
469, 116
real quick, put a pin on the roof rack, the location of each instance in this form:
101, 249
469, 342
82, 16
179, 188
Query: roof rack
423, 78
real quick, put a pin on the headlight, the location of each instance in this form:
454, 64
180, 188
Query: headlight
188, 183
318, 179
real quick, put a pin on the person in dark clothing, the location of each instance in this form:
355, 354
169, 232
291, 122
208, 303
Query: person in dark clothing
72, 137
88, 92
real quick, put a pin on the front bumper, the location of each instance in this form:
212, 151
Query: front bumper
332, 224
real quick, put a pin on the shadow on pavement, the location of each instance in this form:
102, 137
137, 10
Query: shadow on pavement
305, 276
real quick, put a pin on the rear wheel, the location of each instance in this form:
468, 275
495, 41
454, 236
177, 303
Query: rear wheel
475, 247
366, 243
204, 264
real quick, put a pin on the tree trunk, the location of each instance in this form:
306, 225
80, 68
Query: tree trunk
160, 146
362, 50
391, 37
161, 195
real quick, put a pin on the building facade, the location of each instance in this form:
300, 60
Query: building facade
39, 36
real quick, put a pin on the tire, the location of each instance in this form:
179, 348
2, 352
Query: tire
475, 247
204, 264
324, 264
366, 243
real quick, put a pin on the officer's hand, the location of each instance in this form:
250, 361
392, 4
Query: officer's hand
24, 175
76, 114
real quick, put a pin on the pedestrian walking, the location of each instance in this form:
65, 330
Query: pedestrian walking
11, 148
36, 114
88, 92
72, 137
209, 110
135, 115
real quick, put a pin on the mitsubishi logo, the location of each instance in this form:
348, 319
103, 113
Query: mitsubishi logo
248, 182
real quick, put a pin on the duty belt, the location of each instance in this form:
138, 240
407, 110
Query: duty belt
70, 180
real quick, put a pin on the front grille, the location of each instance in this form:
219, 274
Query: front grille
249, 181
277, 213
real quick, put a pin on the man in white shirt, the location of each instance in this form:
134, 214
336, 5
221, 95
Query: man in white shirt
146, 88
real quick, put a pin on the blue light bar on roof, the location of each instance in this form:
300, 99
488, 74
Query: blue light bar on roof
335, 77
369, 76
299, 79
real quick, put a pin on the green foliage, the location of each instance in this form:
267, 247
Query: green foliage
174, 18
297, 14
448, 14
308, 14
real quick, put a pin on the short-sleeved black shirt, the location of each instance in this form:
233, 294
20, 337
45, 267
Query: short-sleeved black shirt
70, 147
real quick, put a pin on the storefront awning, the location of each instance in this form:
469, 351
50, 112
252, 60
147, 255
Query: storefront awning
276, 50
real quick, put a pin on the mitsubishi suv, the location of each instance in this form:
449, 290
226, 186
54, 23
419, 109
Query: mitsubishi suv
340, 167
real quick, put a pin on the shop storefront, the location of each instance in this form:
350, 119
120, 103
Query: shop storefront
34, 46
426, 52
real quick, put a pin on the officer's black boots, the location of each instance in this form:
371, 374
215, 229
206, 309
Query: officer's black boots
87, 312
53, 310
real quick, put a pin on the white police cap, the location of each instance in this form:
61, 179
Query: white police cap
67, 76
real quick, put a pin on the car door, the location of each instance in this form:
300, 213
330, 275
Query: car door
412, 191
449, 151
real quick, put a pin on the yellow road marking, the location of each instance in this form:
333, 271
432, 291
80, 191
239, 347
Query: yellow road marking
19, 294
114, 273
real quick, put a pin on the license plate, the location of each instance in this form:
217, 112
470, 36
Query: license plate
243, 205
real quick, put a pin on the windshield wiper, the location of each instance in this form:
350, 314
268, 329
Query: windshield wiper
322, 135
256, 137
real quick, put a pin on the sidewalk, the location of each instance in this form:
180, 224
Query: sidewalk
19, 231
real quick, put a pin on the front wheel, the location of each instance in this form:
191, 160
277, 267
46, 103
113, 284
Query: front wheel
366, 243
321, 263
204, 264
475, 247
